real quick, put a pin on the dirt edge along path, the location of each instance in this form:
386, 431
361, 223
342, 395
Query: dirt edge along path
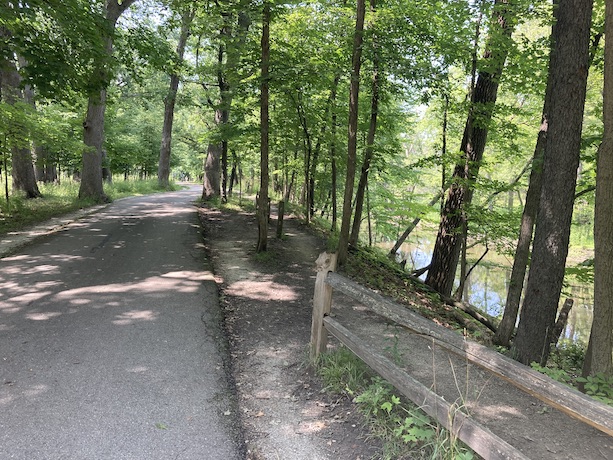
267, 303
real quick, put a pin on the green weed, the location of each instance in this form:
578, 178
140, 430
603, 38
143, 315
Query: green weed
406, 431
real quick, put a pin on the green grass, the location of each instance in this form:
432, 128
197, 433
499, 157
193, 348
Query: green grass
62, 199
403, 429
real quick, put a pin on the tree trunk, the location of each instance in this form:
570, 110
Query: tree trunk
569, 67
522, 253
370, 142
356, 64
170, 99
93, 126
601, 336
448, 241
24, 179
262, 211
212, 173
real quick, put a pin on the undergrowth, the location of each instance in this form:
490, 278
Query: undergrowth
405, 430
565, 364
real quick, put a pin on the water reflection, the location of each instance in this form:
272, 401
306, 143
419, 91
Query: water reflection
487, 285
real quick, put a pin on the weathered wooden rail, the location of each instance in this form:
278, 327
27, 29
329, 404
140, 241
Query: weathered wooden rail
480, 439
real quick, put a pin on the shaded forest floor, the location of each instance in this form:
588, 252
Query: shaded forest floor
267, 300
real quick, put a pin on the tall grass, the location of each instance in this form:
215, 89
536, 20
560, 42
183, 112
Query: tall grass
62, 199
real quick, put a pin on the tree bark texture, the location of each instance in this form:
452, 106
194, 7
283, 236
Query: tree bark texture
212, 172
93, 126
601, 336
568, 74
262, 211
448, 241
352, 135
170, 100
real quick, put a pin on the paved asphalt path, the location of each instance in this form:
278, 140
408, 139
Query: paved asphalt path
110, 344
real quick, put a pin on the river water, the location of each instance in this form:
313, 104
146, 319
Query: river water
487, 285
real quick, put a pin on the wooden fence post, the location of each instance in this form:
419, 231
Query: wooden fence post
322, 302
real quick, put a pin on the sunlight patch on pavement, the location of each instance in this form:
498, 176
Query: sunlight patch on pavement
190, 275
43, 315
132, 316
262, 290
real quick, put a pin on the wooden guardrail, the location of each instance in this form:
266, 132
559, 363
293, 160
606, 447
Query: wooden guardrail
481, 440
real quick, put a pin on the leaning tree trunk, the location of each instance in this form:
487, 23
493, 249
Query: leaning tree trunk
599, 360
352, 138
569, 66
170, 100
262, 211
446, 251
93, 126
522, 253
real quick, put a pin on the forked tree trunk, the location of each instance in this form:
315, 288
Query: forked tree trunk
446, 251
569, 67
352, 137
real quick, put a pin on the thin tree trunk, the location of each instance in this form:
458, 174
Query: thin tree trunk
568, 73
522, 252
262, 211
599, 360
169, 102
448, 241
343, 242
333, 174
370, 142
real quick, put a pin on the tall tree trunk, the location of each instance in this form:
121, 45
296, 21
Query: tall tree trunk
315, 157
370, 141
24, 179
568, 72
601, 337
170, 100
262, 211
230, 46
93, 126
448, 241
352, 137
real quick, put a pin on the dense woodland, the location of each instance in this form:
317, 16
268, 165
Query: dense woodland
488, 122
